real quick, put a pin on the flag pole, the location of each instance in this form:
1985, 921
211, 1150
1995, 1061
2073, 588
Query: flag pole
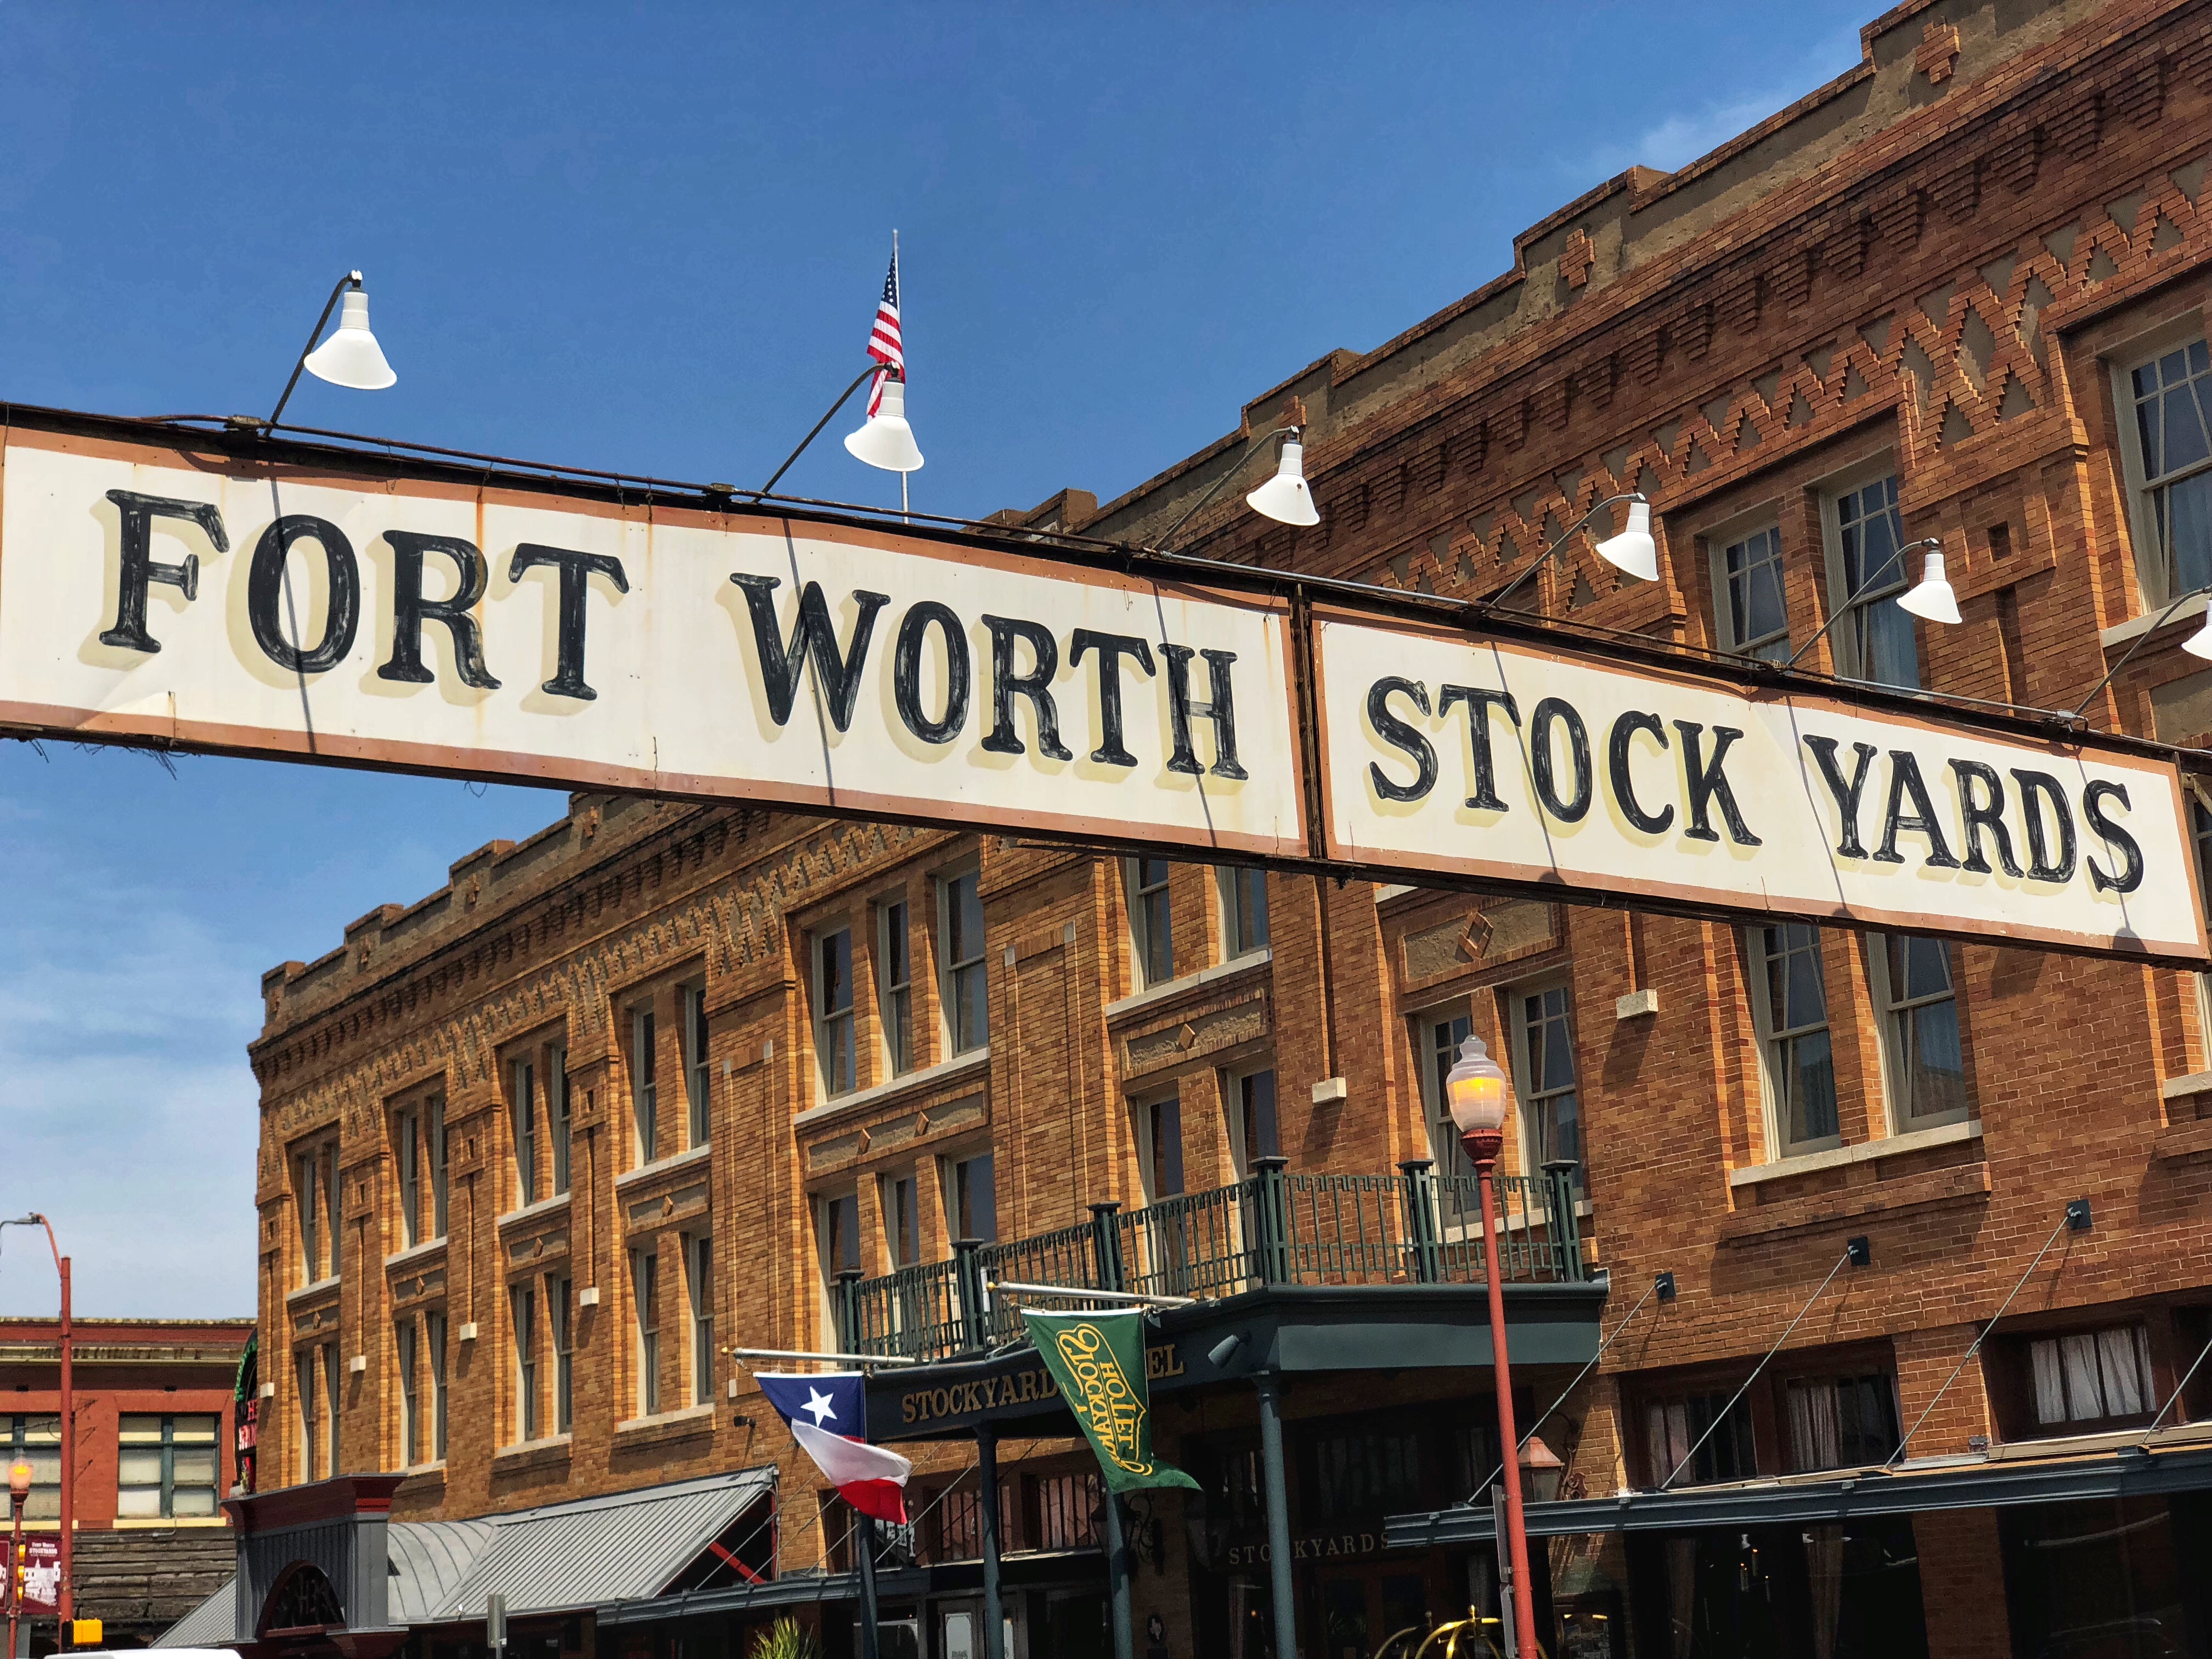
905, 512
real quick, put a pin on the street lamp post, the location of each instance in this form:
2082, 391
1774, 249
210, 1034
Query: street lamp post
65, 1600
19, 1491
1479, 1099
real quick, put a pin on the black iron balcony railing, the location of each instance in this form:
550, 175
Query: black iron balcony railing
1277, 1228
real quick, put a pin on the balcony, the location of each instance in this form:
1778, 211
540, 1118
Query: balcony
1279, 1228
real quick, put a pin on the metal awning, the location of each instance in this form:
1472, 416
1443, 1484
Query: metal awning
2129, 1471
556, 1557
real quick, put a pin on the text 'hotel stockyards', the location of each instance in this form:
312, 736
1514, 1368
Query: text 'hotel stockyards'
987, 910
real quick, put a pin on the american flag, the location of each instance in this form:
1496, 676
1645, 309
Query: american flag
883, 336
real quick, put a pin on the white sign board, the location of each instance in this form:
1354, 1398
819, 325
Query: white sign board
532, 637
1484, 759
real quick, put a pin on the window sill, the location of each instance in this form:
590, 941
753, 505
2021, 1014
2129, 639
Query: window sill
1761, 1223
553, 1448
167, 1523
544, 1207
414, 1253
435, 1470
308, 1293
1866, 1151
664, 1427
1189, 983
2135, 627
646, 1171
911, 1082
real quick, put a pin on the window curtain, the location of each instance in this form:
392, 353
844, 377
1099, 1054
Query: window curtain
2078, 1355
2049, 1383
1667, 1436
1813, 1437
2127, 1371
1824, 1570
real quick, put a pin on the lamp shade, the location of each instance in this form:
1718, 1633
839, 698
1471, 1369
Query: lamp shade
351, 356
886, 440
1476, 1091
2199, 644
1285, 497
20, 1477
1932, 600
1633, 551
1541, 1471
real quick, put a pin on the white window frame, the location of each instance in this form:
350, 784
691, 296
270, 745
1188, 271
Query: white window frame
2155, 584
561, 1329
522, 1320
895, 996
644, 1080
645, 1327
1718, 545
698, 1082
332, 1386
1529, 1099
407, 1153
1844, 637
406, 1355
522, 1109
437, 1164
953, 968
827, 1237
1145, 1108
559, 1119
1895, 1107
1445, 1152
434, 1337
950, 1191
887, 1202
840, 1025
1140, 897
1232, 1106
1229, 880
699, 1292
1765, 1035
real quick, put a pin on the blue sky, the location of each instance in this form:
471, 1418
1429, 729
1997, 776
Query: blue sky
651, 238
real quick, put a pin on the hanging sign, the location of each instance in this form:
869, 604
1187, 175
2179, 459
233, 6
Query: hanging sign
1098, 1361
1449, 754
228, 594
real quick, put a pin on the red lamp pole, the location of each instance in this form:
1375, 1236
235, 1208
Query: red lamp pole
65, 1600
1481, 1096
19, 1489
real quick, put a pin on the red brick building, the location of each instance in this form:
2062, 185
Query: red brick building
666, 1079
156, 1455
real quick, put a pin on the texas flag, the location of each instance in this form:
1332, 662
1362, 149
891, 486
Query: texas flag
827, 1416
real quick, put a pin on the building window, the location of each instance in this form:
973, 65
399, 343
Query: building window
38, 1441
433, 1327
697, 1098
303, 1383
701, 1252
411, 1399
1920, 1025
1871, 538
407, 1152
644, 1089
1672, 1427
1751, 577
841, 1234
834, 1046
1151, 928
1243, 910
645, 1286
166, 1467
967, 1009
318, 1194
971, 1199
1551, 1114
1841, 1422
561, 1315
1252, 1099
2172, 396
525, 1132
522, 1300
556, 1106
433, 1152
331, 1385
1789, 1004
1161, 1122
2093, 1377
1441, 1034
901, 1219
895, 972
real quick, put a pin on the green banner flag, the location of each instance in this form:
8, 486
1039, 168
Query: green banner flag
1098, 1360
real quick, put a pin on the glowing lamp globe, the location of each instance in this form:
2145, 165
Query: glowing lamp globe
19, 1476
1478, 1093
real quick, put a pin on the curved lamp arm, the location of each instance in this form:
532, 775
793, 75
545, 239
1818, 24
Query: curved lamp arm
1227, 477
873, 368
1553, 551
351, 279
2142, 639
1872, 576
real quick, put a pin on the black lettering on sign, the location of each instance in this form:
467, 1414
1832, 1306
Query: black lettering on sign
2131, 868
1401, 737
135, 566
1220, 708
1905, 780
265, 596
905, 672
2044, 864
1479, 704
1573, 808
1709, 785
410, 610
576, 570
1847, 795
1623, 787
1035, 686
1981, 807
812, 636
1111, 648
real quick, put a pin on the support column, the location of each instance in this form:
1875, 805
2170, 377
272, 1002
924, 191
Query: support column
864, 1541
1117, 1577
987, 1470
1270, 1384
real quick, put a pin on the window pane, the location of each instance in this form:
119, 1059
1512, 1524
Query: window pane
193, 1469
2188, 513
193, 1500
136, 1503
139, 1428
136, 1467
2184, 432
